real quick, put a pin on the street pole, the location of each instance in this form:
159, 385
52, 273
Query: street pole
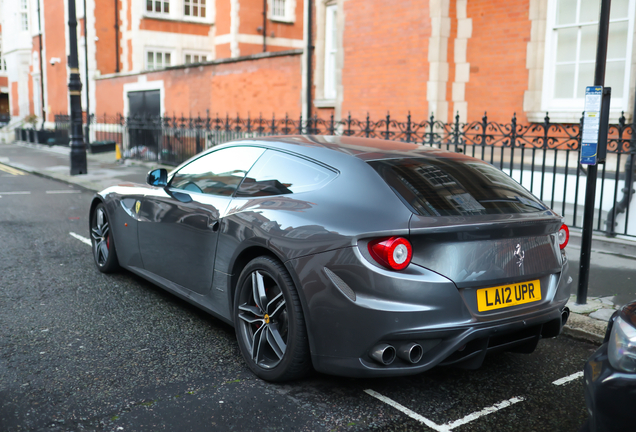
78, 149
592, 170
310, 46
88, 97
264, 25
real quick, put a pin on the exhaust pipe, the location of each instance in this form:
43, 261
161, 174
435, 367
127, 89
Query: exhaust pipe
411, 352
565, 315
383, 354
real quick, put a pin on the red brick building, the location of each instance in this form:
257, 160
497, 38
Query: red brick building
424, 57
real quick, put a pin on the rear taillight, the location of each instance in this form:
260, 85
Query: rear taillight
563, 236
394, 253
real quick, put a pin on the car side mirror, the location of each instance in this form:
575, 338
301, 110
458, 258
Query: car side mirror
157, 177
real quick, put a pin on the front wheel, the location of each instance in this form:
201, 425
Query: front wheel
270, 325
102, 241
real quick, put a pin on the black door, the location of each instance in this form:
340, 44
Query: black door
144, 124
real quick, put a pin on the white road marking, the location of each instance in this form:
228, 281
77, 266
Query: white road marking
484, 412
568, 378
82, 239
448, 426
16, 193
404, 409
64, 191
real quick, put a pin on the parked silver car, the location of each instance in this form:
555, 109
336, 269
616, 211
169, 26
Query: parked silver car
353, 256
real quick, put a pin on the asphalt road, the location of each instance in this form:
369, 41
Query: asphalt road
80, 350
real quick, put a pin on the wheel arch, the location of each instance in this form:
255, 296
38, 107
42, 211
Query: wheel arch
242, 259
94, 203
255, 251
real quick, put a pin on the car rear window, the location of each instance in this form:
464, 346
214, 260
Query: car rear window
453, 187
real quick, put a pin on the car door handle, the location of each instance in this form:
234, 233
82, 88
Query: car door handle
215, 226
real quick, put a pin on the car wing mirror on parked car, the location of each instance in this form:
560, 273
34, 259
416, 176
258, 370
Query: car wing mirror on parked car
157, 177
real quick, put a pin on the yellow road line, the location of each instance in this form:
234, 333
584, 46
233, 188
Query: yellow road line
11, 170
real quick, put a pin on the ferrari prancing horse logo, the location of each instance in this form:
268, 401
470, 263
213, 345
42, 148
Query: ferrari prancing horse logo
520, 255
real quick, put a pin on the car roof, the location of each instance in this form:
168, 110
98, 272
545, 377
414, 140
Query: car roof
322, 147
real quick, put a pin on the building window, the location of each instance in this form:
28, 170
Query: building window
157, 60
278, 9
571, 52
24, 15
159, 6
194, 8
331, 49
194, 58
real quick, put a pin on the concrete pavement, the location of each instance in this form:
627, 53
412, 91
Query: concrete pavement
586, 321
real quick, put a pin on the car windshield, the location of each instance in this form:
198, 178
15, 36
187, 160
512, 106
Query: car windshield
453, 187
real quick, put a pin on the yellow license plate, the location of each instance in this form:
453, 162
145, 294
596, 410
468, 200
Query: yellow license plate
508, 295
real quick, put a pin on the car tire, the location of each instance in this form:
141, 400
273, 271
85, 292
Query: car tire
102, 241
269, 322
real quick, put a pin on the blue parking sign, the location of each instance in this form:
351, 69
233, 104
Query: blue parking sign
591, 125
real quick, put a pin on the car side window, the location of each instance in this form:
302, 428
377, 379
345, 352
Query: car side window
217, 173
277, 173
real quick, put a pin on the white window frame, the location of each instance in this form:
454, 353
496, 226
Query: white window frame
155, 51
177, 12
190, 4
24, 15
321, 100
154, 13
570, 110
331, 51
204, 56
281, 10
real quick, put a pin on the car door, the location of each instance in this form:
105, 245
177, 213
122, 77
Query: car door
179, 224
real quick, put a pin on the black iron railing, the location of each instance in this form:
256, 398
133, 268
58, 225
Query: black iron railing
541, 156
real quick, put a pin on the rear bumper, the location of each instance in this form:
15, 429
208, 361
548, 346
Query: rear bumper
610, 396
365, 307
464, 346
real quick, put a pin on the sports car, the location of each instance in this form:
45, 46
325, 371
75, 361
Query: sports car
351, 256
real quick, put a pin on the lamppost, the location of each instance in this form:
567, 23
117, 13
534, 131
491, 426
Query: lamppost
78, 149
88, 97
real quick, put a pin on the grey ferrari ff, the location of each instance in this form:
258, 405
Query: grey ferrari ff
352, 256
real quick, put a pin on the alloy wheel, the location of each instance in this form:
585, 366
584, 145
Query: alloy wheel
264, 321
100, 232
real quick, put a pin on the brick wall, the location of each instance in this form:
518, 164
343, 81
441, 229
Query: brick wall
250, 23
497, 56
57, 79
385, 58
269, 86
105, 54
174, 27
